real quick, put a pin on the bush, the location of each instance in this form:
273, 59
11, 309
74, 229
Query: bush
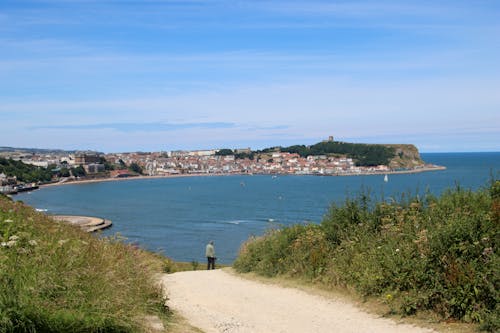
282, 250
428, 253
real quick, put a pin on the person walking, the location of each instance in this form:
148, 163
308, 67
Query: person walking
210, 254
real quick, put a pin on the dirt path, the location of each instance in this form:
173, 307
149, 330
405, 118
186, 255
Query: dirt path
217, 301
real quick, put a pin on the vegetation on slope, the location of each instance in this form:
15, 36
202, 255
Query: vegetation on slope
363, 154
430, 253
24, 172
55, 278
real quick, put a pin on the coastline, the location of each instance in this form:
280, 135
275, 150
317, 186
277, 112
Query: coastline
112, 179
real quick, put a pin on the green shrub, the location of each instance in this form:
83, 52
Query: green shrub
282, 250
427, 253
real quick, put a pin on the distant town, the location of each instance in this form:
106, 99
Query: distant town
62, 166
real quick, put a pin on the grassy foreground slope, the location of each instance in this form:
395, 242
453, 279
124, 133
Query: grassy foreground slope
55, 278
418, 254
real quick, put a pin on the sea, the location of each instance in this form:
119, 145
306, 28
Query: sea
178, 216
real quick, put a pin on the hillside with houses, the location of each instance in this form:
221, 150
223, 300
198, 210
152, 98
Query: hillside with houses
19, 167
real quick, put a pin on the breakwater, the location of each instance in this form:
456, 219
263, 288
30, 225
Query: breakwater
86, 223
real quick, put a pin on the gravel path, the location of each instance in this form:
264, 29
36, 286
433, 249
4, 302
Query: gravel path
217, 301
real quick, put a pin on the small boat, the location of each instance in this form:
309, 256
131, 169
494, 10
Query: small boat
386, 179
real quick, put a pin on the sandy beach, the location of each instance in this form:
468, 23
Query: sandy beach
115, 179
98, 180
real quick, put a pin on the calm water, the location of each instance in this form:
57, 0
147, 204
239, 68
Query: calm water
178, 216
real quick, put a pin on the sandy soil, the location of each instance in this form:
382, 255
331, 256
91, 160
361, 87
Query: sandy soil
217, 301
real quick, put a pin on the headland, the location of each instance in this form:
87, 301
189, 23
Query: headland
326, 158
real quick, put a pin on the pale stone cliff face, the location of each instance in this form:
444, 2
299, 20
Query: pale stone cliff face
407, 156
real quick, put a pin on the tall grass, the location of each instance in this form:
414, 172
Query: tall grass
430, 253
55, 278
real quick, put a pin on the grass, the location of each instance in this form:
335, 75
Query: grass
56, 278
170, 266
415, 255
178, 324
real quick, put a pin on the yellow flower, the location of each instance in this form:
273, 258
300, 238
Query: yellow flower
62, 241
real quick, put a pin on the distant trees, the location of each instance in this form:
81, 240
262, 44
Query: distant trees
122, 164
107, 166
363, 154
78, 171
238, 156
267, 150
298, 149
64, 172
242, 156
24, 172
135, 168
224, 152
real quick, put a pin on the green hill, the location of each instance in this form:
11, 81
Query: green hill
24, 172
394, 155
56, 278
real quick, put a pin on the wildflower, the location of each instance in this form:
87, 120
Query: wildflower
487, 251
33, 242
379, 247
388, 297
8, 221
397, 250
3, 244
10, 243
62, 241
13, 238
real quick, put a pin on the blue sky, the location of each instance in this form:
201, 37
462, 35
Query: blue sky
164, 75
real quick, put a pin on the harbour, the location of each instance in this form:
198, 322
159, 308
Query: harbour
177, 216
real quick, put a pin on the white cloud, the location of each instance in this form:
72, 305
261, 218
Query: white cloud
313, 108
397, 70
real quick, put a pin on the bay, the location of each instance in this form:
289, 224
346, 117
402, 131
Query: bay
178, 216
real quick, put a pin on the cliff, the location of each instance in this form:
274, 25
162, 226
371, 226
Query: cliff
406, 156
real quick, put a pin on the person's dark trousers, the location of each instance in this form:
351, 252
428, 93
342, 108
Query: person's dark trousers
211, 262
